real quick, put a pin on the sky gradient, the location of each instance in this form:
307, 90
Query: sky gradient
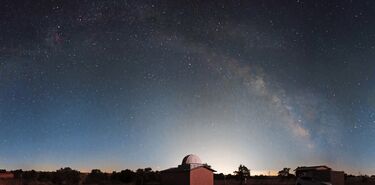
134, 84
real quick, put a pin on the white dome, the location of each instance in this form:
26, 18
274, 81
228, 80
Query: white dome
191, 159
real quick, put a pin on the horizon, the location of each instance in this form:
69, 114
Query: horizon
129, 84
253, 172
257, 172
270, 172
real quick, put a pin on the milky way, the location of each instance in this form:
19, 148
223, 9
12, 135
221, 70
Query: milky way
131, 84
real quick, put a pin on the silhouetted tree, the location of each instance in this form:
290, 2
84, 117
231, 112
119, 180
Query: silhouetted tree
219, 176
145, 176
66, 176
229, 176
45, 176
155, 176
243, 173
17, 173
140, 176
284, 172
365, 178
96, 176
29, 175
148, 170
125, 176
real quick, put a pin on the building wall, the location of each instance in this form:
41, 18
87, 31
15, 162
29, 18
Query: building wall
201, 176
175, 178
322, 175
337, 178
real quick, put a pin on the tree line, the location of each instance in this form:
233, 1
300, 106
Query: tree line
68, 176
65, 176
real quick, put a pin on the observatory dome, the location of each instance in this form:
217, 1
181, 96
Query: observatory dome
191, 159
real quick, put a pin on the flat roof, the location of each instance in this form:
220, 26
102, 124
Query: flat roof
308, 168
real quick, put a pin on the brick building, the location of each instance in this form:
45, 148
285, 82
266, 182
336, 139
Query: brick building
191, 172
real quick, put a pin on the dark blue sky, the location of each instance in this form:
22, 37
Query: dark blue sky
131, 84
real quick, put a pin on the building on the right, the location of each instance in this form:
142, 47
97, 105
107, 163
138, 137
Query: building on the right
321, 173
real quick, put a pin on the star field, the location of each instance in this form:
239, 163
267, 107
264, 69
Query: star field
131, 84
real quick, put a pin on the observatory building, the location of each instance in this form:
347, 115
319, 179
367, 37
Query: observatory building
191, 172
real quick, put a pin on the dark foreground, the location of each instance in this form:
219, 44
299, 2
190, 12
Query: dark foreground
67, 176
264, 181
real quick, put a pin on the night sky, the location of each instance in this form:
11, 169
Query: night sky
133, 84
